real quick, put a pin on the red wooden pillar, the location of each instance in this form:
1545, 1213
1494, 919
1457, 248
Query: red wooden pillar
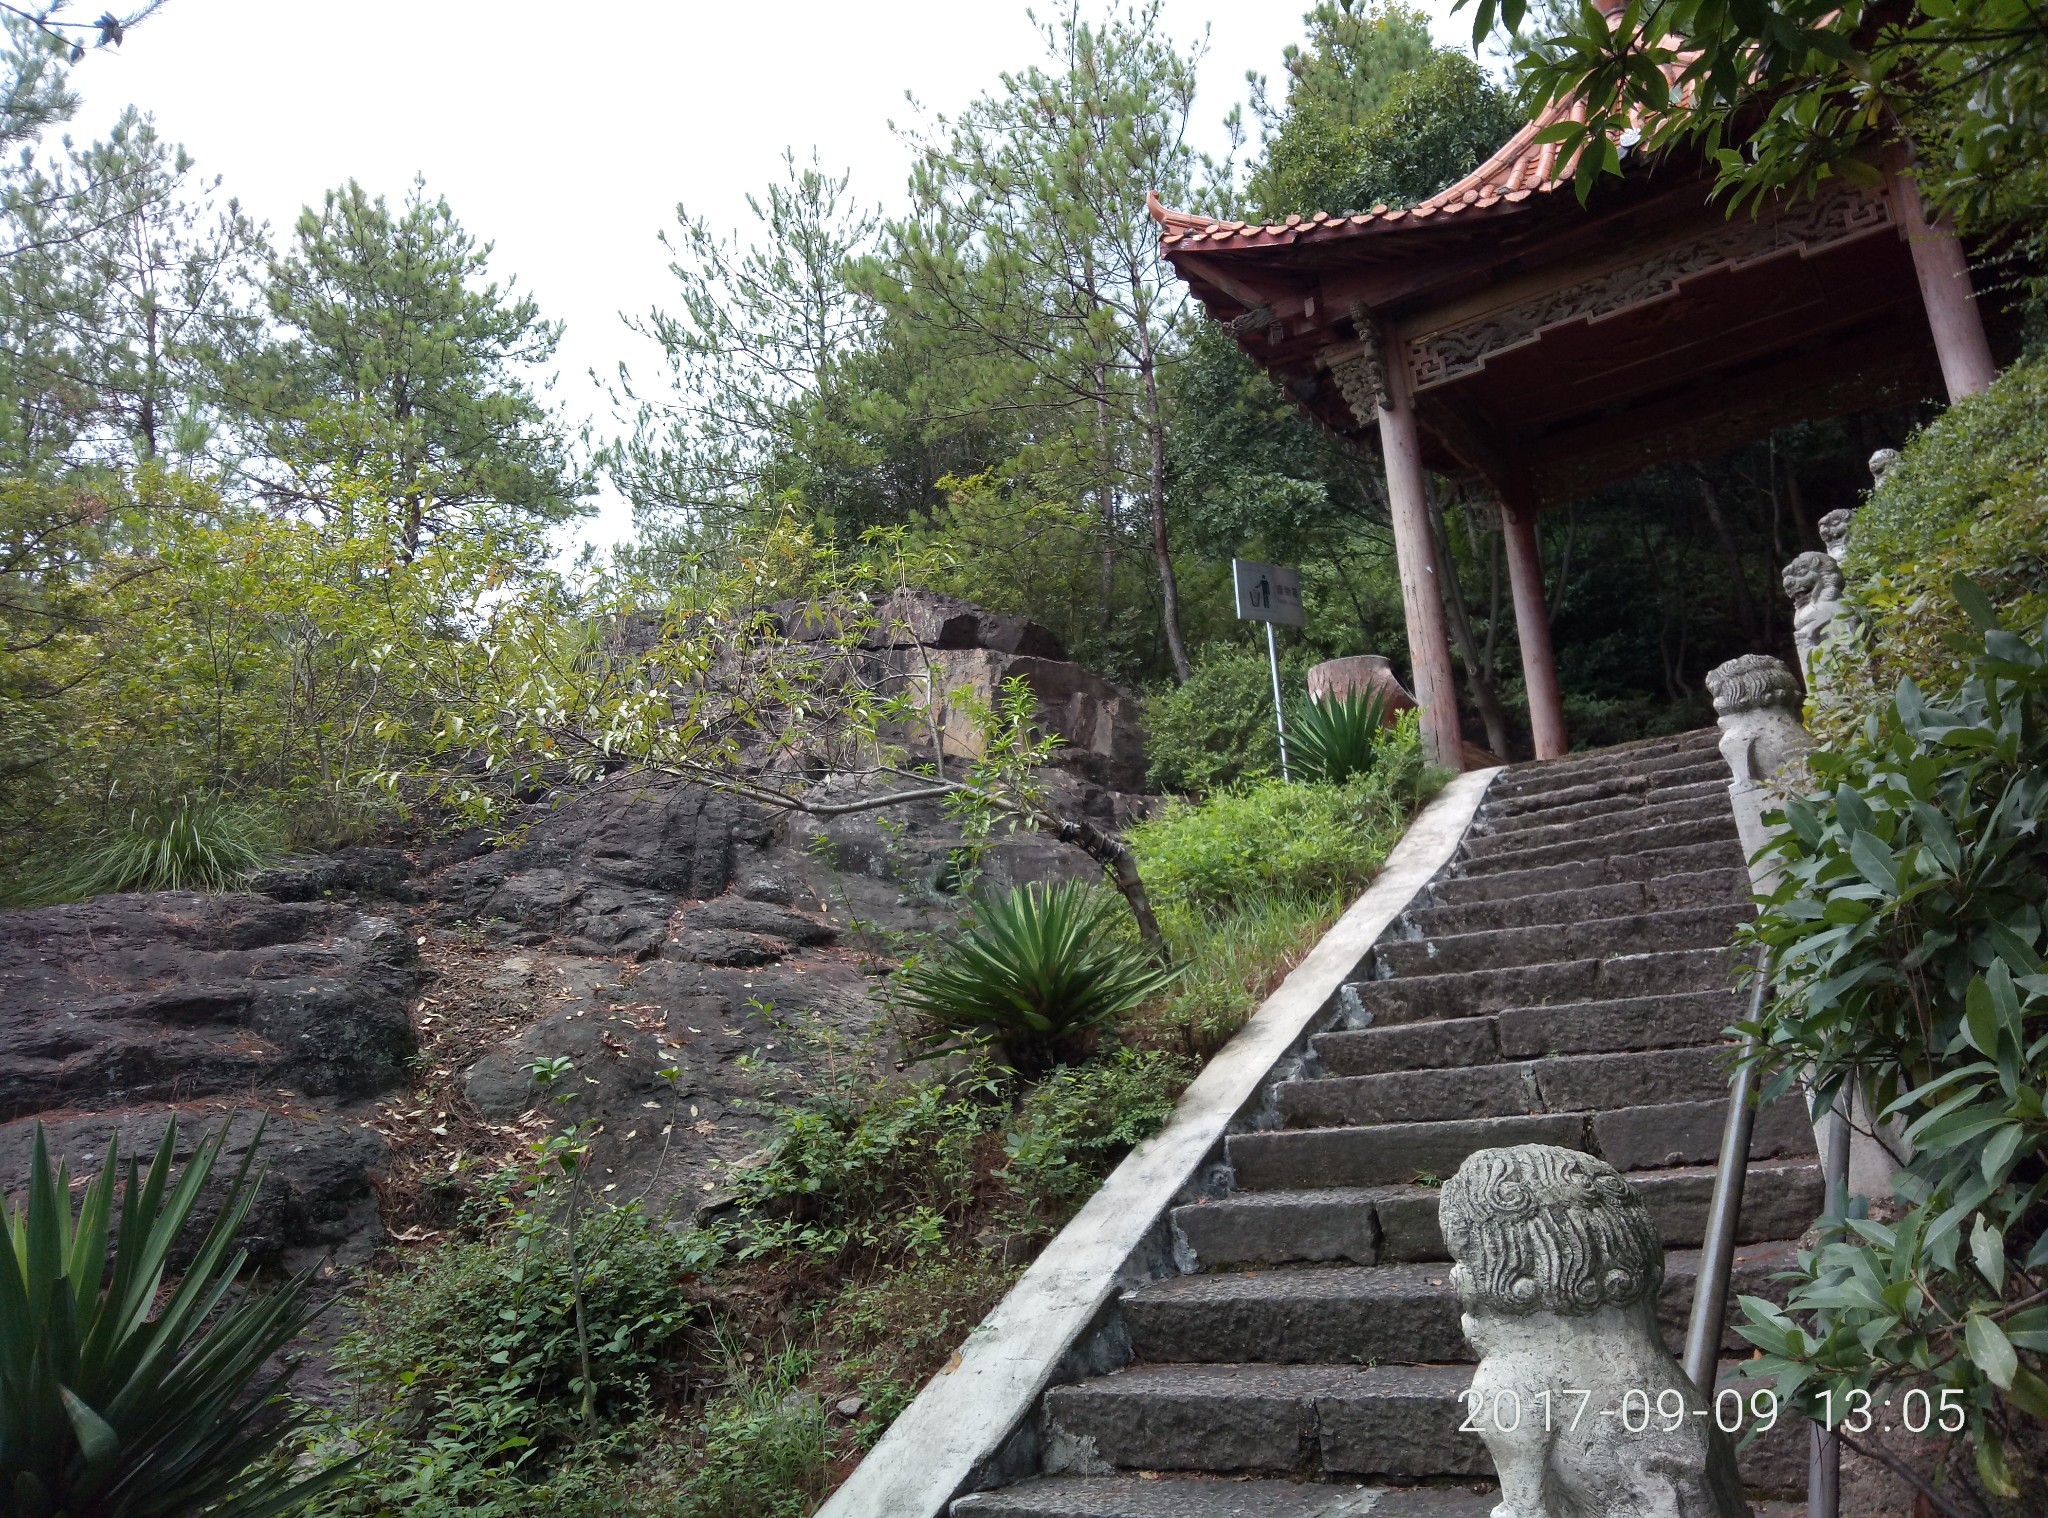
1422, 598
1945, 289
1532, 627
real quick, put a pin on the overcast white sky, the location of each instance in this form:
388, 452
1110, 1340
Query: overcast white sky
566, 136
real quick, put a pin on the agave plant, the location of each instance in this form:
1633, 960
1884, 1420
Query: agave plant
113, 1405
1334, 739
1031, 971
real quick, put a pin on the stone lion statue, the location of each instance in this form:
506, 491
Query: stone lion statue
1757, 700
1558, 1267
1834, 531
1814, 582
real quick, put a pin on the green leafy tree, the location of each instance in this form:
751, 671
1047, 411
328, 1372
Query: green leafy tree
393, 358
1788, 96
1374, 112
752, 356
1029, 247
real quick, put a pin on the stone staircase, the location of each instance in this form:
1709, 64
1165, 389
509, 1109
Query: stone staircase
1565, 980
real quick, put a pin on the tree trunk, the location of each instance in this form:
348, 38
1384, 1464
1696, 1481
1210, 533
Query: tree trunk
1745, 604
1155, 431
1478, 678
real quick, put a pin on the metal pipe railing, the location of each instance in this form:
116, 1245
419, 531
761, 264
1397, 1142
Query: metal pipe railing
1824, 1456
1724, 1214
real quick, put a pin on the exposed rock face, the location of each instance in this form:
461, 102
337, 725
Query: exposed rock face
315, 1193
603, 871
120, 1013
150, 998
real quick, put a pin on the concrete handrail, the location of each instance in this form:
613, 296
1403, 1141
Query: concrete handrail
972, 1426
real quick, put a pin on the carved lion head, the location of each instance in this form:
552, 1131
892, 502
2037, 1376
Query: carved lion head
1535, 1228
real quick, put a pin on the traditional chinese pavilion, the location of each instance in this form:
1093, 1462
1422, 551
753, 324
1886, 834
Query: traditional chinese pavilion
1501, 332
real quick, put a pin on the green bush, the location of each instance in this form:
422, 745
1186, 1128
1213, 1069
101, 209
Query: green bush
1332, 740
1269, 838
1217, 728
853, 1168
476, 1350
1968, 495
123, 1394
1030, 972
1074, 1125
1906, 953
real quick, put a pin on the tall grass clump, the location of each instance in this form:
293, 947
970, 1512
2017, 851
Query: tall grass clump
194, 843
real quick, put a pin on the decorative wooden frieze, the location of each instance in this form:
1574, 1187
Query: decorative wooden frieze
1464, 348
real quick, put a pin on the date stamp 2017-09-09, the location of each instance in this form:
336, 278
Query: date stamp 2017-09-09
1638, 1412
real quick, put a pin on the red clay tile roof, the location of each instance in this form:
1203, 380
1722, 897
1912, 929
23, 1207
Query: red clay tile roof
1523, 167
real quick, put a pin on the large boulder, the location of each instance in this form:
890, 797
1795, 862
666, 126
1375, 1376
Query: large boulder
171, 996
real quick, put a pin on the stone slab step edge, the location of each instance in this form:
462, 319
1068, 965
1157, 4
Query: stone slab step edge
1621, 898
1709, 806
1390, 1422
1405, 1314
1560, 1083
1703, 926
1469, 993
1371, 1225
1574, 874
1156, 1496
1639, 1022
1594, 843
1633, 1138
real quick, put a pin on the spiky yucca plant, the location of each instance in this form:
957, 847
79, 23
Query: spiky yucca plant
113, 1405
1335, 739
1031, 971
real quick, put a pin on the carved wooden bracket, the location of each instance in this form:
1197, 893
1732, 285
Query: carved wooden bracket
1361, 374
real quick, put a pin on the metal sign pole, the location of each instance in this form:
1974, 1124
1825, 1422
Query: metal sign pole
1279, 720
1270, 593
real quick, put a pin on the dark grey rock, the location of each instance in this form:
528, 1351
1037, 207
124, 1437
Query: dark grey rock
767, 888
719, 946
362, 871
130, 999
733, 914
314, 1195
1280, 1228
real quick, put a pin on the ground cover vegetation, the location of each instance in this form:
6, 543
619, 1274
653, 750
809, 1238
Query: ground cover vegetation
275, 575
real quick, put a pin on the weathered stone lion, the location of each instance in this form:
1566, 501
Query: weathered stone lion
1814, 582
1558, 1266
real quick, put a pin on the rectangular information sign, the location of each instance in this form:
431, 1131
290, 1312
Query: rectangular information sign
1267, 592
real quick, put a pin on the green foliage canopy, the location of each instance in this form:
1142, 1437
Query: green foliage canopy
1905, 952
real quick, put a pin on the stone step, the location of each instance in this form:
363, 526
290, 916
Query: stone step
1647, 801
1310, 1420
1391, 1422
1625, 898
1469, 993
1544, 831
1381, 1313
1640, 1022
1565, 1083
1579, 874
1633, 1138
1154, 1496
1582, 841
1500, 805
1692, 927
1644, 758
1372, 1225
